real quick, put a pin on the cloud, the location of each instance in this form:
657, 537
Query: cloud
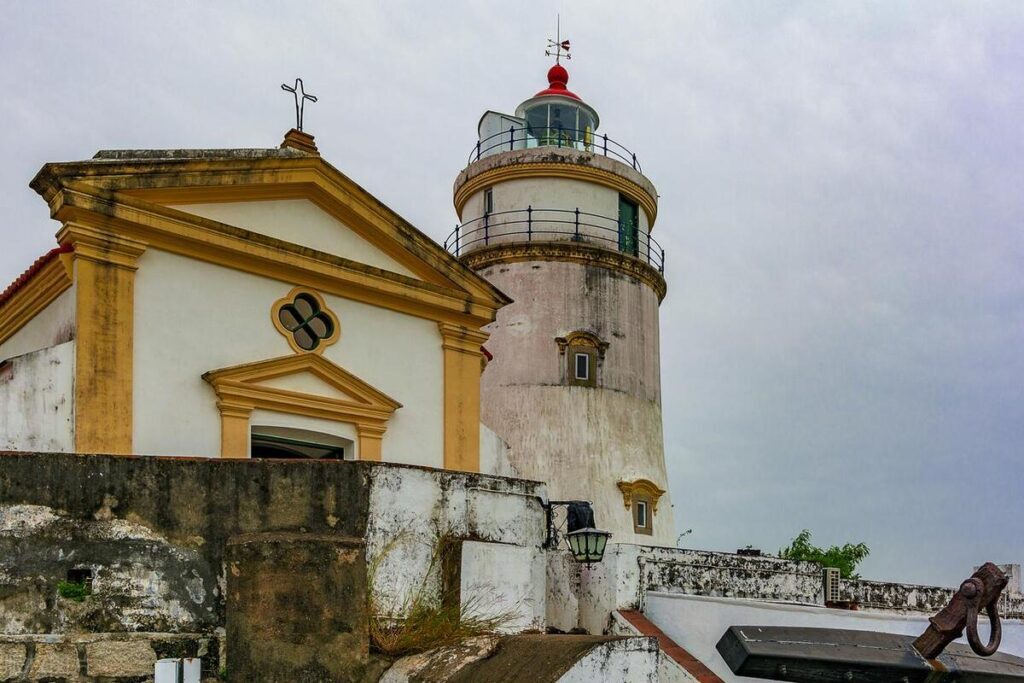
841, 209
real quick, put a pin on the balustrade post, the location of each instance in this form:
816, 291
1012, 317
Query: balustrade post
487, 220
511, 138
576, 237
606, 144
634, 161
662, 268
457, 240
478, 150
529, 223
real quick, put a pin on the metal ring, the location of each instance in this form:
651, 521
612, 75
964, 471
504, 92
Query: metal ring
996, 629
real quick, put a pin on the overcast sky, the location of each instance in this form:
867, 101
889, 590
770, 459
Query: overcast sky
842, 198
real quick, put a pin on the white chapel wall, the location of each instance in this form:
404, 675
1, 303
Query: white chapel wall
36, 401
55, 324
298, 221
192, 317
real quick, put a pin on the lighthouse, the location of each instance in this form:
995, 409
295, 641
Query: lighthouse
560, 217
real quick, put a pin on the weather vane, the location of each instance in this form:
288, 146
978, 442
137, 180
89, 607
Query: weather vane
558, 48
299, 91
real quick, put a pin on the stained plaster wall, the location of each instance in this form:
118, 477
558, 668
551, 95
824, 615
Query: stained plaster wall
37, 400
192, 317
53, 325
580, 440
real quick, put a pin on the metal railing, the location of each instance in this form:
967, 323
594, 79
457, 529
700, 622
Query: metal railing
566, 138
556, 224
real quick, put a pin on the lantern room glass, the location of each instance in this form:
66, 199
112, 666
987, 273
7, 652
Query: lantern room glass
559, 124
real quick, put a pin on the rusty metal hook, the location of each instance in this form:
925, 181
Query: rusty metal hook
972, 590
981, 590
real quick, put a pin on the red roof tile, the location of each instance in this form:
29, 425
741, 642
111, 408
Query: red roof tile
24, 278
693, 666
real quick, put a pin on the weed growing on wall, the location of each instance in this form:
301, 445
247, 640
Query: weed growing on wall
424, 618
73, 590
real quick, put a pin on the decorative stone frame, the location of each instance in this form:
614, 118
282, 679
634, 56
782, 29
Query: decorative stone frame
641, 490
289, 335
581, 342
240, 390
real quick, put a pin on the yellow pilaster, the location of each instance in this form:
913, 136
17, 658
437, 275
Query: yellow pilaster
462, 358
234, 431
370, 439
104, 273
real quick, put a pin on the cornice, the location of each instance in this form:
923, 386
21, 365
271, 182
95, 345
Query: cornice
573, 252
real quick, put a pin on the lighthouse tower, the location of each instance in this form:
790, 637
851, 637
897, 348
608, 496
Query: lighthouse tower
559, 216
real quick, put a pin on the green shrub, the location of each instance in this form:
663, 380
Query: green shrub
74, 590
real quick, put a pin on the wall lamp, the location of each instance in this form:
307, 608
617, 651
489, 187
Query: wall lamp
586, 543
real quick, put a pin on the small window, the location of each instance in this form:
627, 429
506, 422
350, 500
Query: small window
583, 366
642, 515
488, 201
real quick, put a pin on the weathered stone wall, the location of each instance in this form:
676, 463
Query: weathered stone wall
906, 597
153, 532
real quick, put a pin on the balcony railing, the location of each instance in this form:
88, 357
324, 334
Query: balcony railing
518, 137
530, 224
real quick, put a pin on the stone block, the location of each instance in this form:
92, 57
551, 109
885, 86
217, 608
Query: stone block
296, 608
120, 658
12, 659
56, 660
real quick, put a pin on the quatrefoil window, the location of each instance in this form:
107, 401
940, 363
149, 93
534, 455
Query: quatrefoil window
304, 320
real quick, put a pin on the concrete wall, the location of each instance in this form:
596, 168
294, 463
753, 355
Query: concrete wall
223, 318
298, 221
580, 440
53, 325
37, 400
697, 623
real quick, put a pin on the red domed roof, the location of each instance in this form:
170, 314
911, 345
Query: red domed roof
557, 78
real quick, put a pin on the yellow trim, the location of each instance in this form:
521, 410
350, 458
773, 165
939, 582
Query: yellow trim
568, 252
570, 171
641, 487
275, 318
242, 179
182, 233
240, 390
34, 296
462, 359
104, 270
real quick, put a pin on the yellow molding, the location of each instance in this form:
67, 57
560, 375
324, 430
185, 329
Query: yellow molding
35, 295
177, 181
203, 239
566, 170
568, 252
239, 391
104, 272
462, 362
275, 317
644, 487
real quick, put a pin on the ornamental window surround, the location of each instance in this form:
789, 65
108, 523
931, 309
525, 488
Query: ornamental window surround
582, 357
303, 318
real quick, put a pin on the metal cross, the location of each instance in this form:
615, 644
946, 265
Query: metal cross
299, 91
558, 45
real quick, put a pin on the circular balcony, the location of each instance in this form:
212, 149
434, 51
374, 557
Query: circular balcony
531, 225
530, 137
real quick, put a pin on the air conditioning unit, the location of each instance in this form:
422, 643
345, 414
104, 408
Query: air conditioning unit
177, 670
830, 578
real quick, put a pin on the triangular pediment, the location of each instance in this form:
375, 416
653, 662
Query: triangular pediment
300, 383
149, 192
